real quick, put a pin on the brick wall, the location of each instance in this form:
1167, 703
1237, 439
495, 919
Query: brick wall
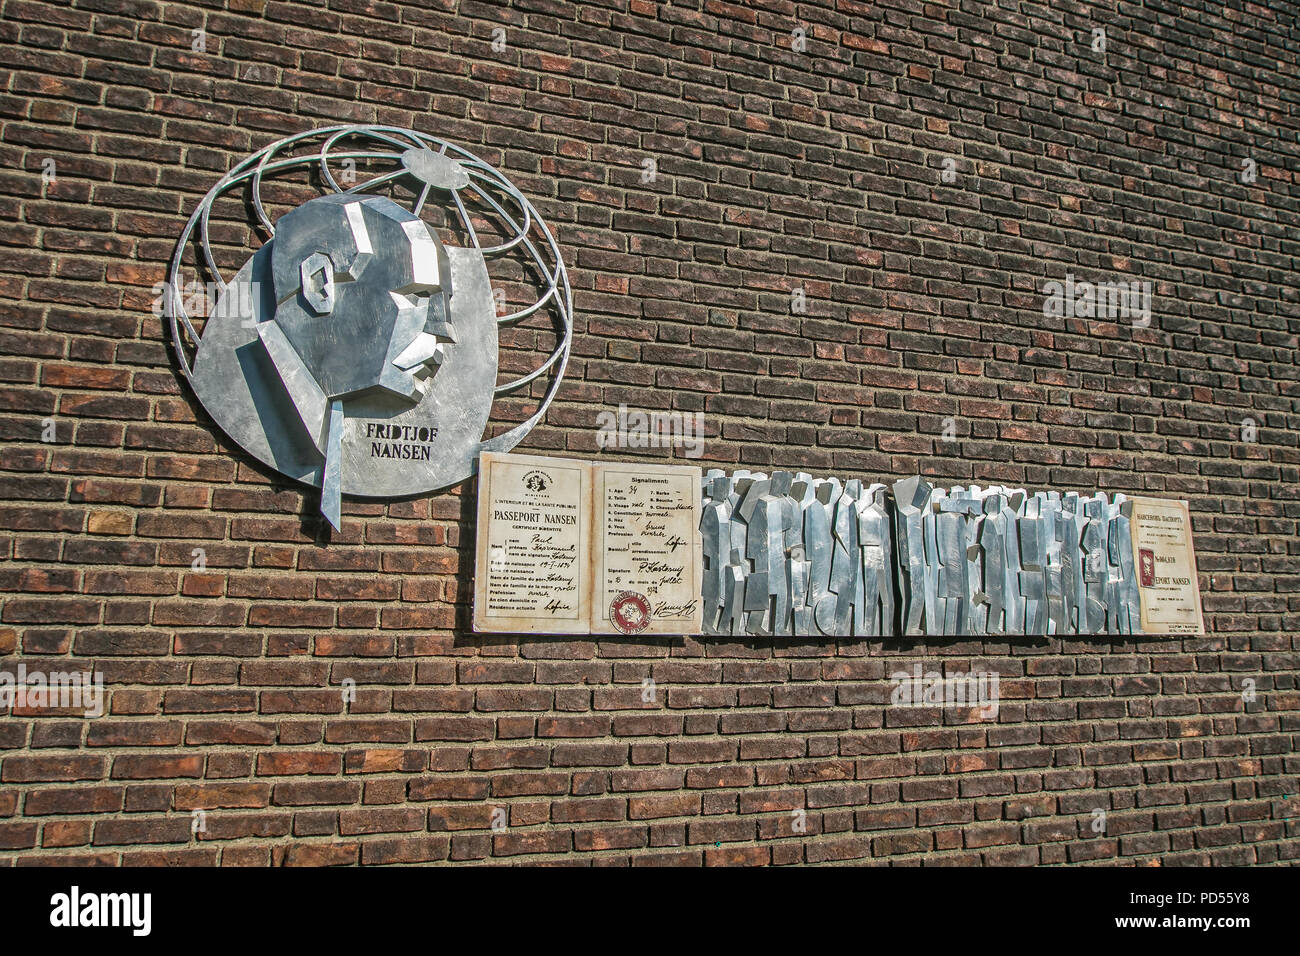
820, 170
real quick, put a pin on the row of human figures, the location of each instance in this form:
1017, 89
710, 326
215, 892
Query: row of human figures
789, 554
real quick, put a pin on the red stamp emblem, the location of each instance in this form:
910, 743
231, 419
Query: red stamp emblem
1146, 567
630, 612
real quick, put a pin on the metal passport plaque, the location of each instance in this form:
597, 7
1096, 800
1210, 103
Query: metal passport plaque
356, 350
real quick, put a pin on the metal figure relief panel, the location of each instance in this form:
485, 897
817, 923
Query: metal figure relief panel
793, 555
789, 554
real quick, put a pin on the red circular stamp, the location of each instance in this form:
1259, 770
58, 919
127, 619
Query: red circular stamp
630, 612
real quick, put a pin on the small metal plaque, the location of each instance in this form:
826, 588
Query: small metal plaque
574, 547
646, 561
534, 565
1168, 587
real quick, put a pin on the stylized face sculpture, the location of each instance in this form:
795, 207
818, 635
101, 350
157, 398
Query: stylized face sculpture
362, 302
354, 351
362, 297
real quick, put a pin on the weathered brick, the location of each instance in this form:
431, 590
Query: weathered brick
225, 616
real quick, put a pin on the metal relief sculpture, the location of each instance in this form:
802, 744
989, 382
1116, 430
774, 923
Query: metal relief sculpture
794, 555
356, 350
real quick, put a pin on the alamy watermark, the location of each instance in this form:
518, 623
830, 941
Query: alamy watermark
75, 909
73, 690
640, 429
932, 689
1074, 299
204, 299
